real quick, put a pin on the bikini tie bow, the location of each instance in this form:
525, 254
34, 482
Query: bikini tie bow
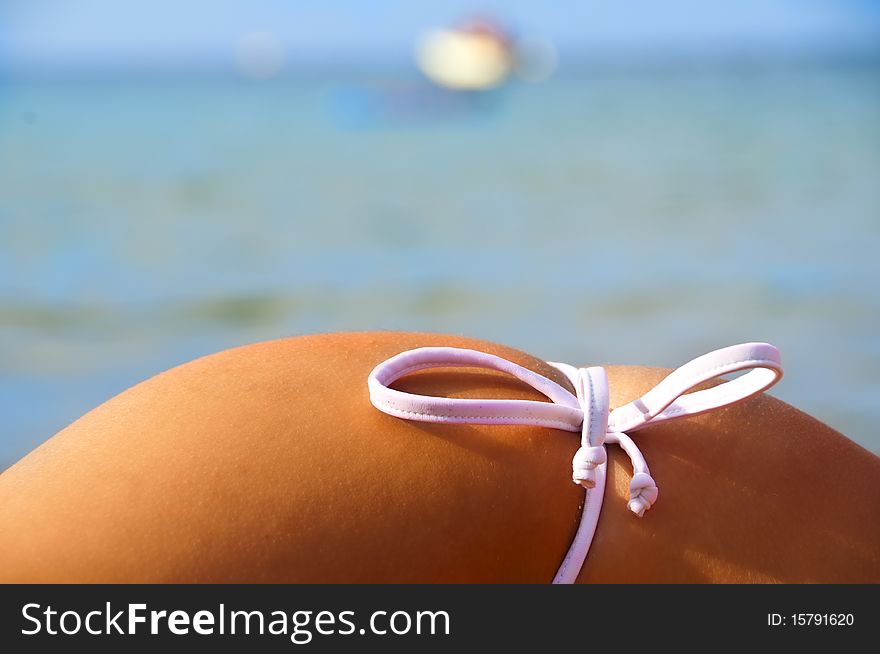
587, 411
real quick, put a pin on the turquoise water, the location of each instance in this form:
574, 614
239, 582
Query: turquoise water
601, 217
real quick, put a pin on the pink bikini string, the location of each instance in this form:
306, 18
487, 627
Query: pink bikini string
586, 412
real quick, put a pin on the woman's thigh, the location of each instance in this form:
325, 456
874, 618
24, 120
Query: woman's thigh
268, 463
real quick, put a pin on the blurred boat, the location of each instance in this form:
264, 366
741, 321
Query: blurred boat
464, 66
477, 55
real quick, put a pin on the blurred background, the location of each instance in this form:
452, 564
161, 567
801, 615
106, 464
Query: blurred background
592, 182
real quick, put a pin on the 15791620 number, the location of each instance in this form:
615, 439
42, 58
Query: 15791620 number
810, 620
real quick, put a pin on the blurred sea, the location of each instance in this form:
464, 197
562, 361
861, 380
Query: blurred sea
606, 216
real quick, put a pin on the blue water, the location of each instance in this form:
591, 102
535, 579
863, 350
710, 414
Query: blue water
601, 217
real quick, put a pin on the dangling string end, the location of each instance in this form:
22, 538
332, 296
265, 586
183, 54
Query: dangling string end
584, 463
643, 493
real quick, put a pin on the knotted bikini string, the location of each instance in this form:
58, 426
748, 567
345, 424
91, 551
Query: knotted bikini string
587, 411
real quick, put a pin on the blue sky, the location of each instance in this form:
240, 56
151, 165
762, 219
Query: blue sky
97, 32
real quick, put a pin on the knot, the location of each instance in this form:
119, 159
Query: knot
583, 465
642, 493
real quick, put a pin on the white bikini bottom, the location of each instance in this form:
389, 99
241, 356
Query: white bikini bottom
587, 412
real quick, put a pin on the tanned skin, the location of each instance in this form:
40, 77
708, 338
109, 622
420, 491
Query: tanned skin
267, 463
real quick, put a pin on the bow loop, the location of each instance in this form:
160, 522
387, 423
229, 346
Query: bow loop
670, 399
